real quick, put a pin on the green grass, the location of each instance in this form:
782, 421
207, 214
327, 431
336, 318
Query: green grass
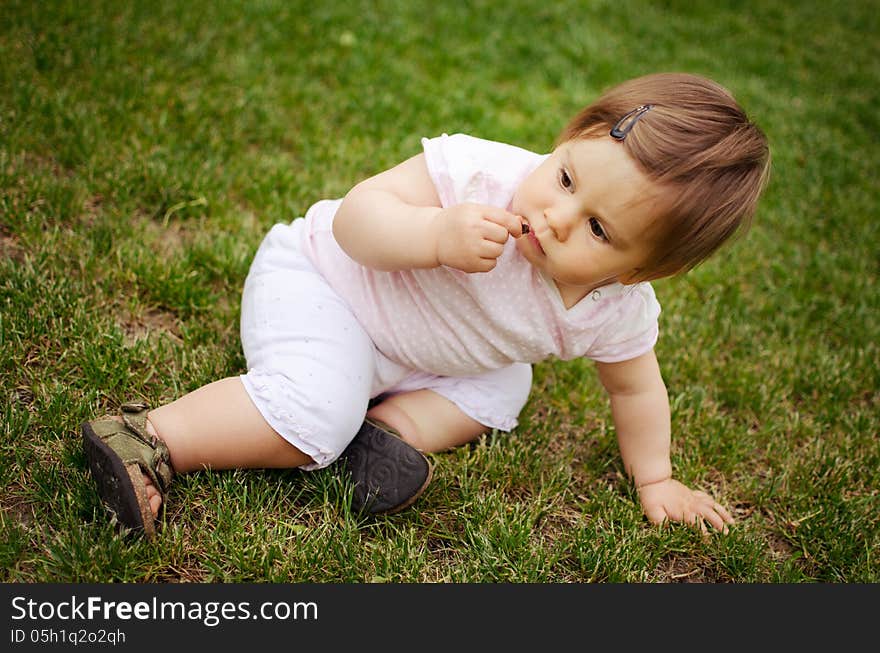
146, 148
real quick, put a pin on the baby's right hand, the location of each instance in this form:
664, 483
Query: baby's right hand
470, 237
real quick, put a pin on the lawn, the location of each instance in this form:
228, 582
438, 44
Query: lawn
147, 147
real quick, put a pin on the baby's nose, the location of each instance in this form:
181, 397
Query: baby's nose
559, 221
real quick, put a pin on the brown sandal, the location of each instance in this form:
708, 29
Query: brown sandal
119, 454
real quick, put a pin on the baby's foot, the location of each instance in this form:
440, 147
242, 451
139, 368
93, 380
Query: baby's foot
153, 495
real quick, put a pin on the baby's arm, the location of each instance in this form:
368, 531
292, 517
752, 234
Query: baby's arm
394, 221
640, 408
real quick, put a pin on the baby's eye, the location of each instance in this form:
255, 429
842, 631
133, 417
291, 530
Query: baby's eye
565, 179
597, 230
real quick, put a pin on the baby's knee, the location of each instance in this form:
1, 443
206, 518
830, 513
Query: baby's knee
427, 420
318, 421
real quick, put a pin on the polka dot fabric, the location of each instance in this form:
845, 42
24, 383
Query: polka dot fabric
452, 323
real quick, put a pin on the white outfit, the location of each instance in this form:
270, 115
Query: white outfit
322, 334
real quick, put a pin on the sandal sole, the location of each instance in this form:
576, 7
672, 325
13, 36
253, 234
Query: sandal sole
120, 486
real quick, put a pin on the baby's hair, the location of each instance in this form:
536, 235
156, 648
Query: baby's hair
699, 146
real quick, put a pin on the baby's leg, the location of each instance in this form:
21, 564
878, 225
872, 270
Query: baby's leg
430, 413
218, 427
427, 421
434, 413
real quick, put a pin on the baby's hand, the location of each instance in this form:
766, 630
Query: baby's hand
672, 500
470, 237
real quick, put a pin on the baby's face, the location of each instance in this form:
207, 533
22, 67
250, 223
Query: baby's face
589, 208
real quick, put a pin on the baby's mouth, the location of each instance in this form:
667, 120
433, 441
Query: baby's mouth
534, 240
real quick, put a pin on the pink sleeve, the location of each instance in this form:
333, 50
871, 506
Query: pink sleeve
438, 168
634, 329
468, 169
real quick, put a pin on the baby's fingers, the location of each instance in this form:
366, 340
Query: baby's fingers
708, 507
725, 514
511, 223
490, 249
656, 514
716, 520
716, 515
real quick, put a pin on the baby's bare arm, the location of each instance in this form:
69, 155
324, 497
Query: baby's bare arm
394, 221
640, 408
386, 221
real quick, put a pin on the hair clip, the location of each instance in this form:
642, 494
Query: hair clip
625, 124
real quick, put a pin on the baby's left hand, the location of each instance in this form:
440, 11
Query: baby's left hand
675, 501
